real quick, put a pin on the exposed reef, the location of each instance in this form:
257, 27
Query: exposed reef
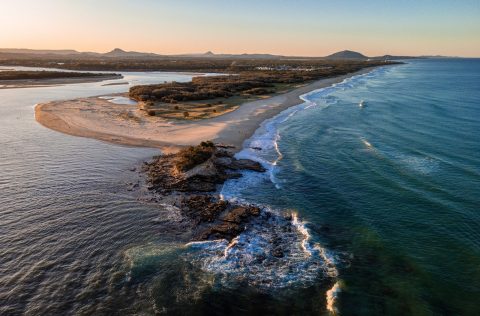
191, 177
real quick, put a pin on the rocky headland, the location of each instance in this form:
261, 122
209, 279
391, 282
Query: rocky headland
190, 178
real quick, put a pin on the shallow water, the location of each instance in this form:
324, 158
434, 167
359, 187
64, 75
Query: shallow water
385, 200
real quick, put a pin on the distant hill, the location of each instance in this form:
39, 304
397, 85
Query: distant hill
7, 53
210, 54
39, 51
120, 53
346, 54
116, 53
351, 55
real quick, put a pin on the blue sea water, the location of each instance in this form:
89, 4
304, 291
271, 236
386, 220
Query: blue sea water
385, 170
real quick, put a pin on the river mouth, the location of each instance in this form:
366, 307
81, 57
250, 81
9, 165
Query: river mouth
88, 233
393, 208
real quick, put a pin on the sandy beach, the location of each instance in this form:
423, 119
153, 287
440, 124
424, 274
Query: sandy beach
37, 83
97, 118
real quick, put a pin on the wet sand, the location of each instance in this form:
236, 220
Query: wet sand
36, 83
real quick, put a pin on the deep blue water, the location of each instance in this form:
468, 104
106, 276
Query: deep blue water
385, 168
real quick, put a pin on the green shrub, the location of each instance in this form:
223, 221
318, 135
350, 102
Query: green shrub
207, 144
248, 79
194, 155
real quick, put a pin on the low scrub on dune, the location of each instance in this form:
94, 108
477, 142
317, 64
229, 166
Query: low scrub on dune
194, 155
248, 80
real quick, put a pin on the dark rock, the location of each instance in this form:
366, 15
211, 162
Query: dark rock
206, 170
223, 153
246, 164
223, 161
234, 175
224, 146
226, 230
277, 252
240, 213
197, 184
164, 176
203, 207
232, 223
190, 174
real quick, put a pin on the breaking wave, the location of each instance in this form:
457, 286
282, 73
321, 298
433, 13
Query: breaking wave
263, 146
273, 252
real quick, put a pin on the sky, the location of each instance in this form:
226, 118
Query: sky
295, 27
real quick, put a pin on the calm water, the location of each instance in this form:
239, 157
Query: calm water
65, 214
387, 196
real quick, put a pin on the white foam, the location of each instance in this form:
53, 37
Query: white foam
267, 137
251, 257
367, 143
418, 162
332, 295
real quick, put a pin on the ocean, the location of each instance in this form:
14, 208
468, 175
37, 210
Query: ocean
388, 164
372, 188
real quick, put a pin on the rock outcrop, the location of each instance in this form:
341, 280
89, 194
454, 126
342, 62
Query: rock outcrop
195, 173
217, 219
166, 173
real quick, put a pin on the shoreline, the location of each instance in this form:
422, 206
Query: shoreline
100, 119
38, 83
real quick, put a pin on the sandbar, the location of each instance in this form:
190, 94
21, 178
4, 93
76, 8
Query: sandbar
37, 83
97, 118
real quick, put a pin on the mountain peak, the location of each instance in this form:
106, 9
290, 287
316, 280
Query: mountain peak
117, 50
120, 53
346, 54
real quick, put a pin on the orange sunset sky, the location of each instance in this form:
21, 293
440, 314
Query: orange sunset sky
303, 28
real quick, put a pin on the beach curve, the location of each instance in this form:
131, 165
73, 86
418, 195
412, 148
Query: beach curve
100, 119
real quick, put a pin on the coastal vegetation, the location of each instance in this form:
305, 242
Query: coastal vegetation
207, 96
194, 155
184, 64
232, 81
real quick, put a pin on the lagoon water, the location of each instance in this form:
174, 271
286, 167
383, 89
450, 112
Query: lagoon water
382, 170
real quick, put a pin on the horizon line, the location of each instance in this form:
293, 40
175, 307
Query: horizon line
210, 51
